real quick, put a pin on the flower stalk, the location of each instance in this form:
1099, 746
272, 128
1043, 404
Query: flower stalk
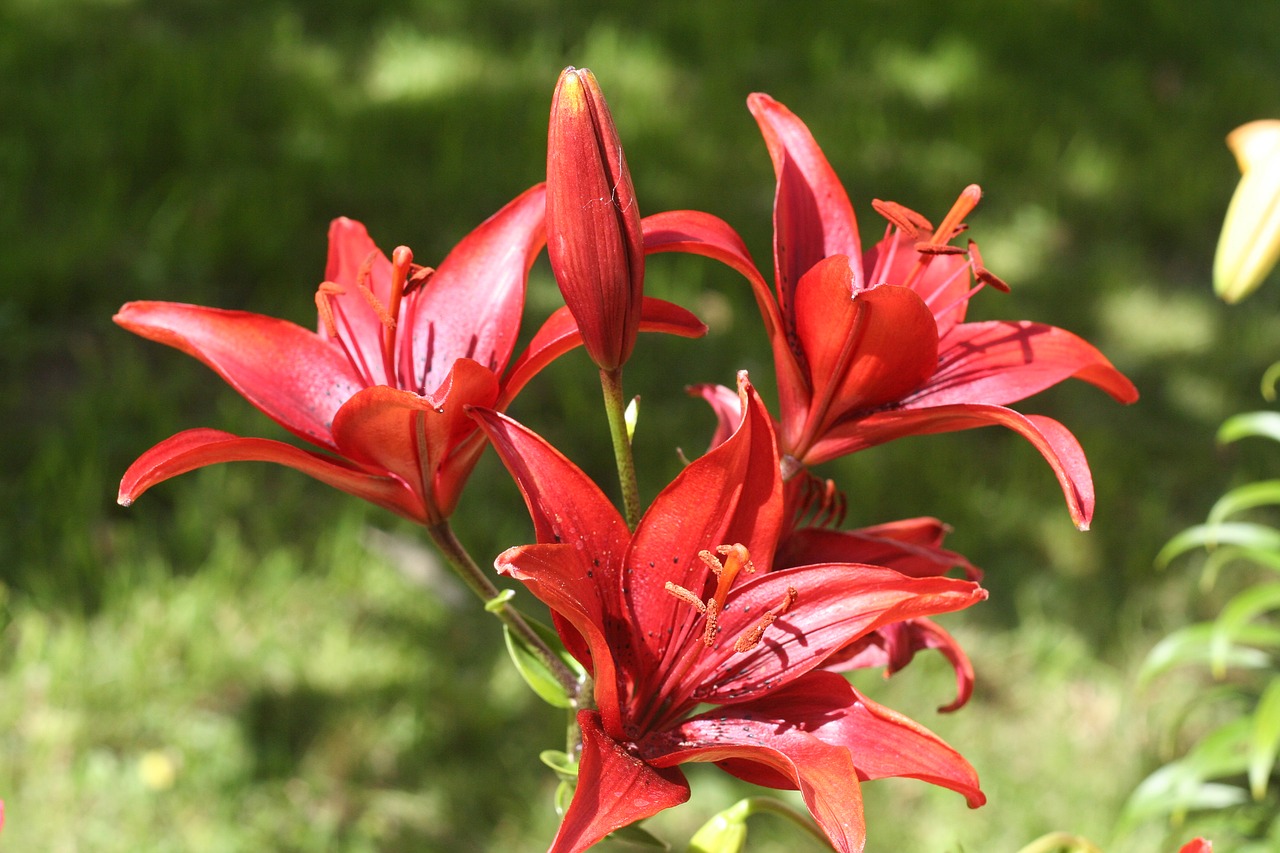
497, 602
615, 408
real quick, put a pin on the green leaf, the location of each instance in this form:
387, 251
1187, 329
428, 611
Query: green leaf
1238, 612
1221, 557
1243, 534
1192, 645
1241, 498
534, 670
1265, 739
1248, 424
1269, 379
1176, 788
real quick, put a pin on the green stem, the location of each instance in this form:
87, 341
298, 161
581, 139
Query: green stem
496, 602
615, 408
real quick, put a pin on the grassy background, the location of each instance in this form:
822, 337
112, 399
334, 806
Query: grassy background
241, 660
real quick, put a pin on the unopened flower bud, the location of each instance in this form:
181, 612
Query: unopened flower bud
594, 240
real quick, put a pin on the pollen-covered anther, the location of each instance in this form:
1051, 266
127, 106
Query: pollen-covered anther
325, 293
712, 626
751, 637
903, 218
418, 278
938, 249
981, 273
686, 596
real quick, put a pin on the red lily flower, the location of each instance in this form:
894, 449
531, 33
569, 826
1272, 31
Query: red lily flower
911, 546
669, 618
594, 238
382, 387
872, 347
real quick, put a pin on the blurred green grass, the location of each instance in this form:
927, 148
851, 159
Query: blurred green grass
301, 691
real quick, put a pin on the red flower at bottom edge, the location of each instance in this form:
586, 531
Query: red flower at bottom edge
672, 617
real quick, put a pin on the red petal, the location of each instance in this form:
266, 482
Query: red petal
567, 506
883, 743
727, 406
413, 437
560, 333
196, 448
998, 363
703, 234
862, 352
1054, 441
350, 248
812, 216
907, 549
594, 241
615, 789
944, 284
731, 495
894, 646
1197, 845
293, 375
471, 307
836, 604
561, 577
776, 753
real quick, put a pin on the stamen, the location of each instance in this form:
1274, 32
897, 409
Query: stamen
952, 225
324, 305
384, 316
751, 637
418, 278
686, 596
981, 273
713, 622
906, 219
938, 249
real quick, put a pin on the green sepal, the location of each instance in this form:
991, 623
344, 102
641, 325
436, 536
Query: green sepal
535, 672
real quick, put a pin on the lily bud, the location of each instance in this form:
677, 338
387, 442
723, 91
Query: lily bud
594, 240
1250, 241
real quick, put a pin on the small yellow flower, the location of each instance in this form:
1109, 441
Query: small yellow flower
1250, 241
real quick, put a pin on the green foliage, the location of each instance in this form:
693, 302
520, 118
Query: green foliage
1230, 764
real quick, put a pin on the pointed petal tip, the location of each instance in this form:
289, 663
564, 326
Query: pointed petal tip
124, 500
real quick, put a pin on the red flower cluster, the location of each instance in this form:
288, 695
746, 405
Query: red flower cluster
715, 630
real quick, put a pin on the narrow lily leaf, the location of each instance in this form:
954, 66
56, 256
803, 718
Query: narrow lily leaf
1269, 379
1248, 496
1241, 533
534, 671
1174, 789
1249, 424
1190, 645
1222, 752
1265, 742
1238, 612
1221, 557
